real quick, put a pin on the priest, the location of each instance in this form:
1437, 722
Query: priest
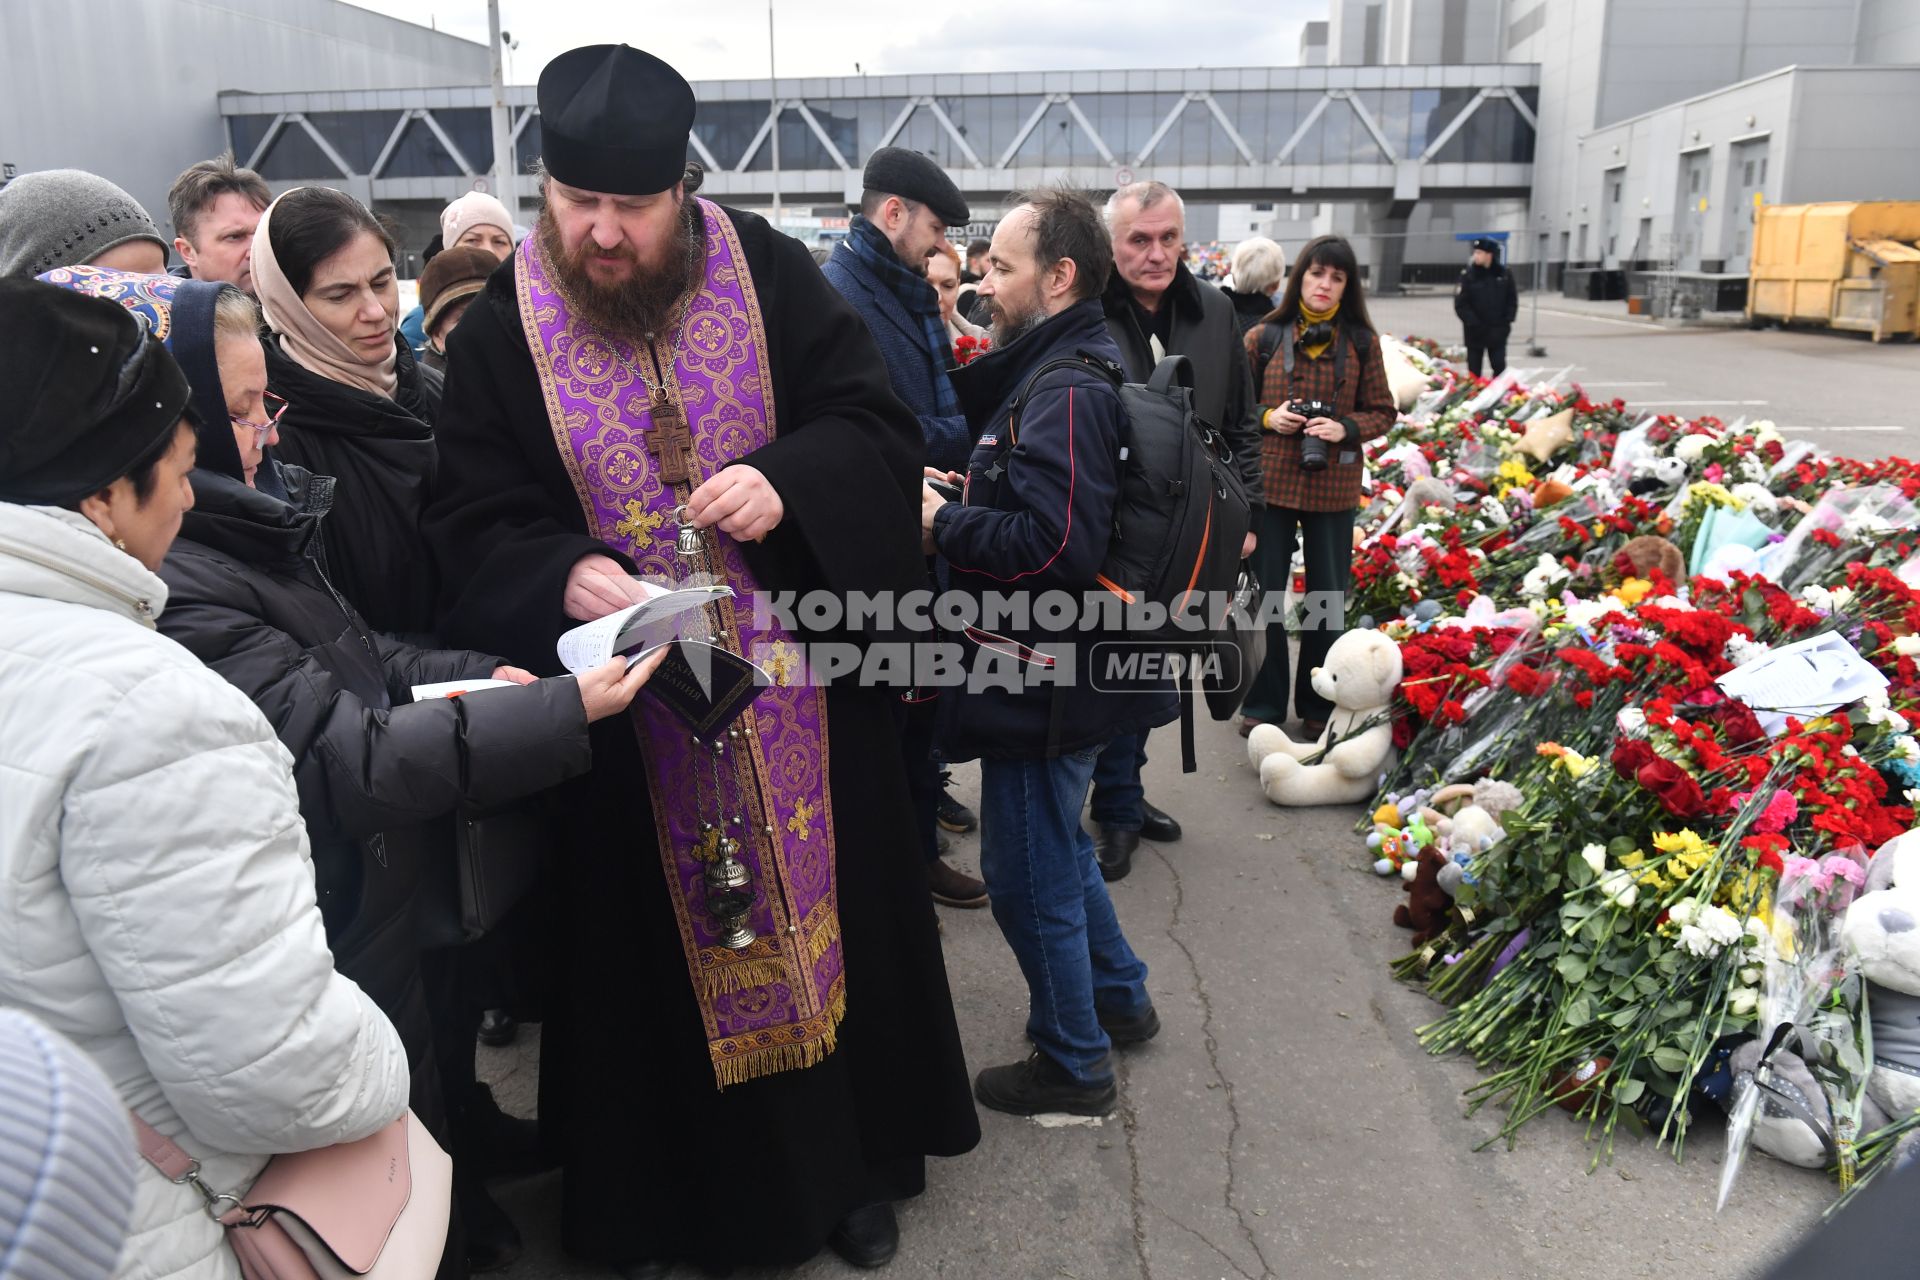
750, 1046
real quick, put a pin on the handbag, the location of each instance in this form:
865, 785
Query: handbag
495, 860
1240, 649
374, 1208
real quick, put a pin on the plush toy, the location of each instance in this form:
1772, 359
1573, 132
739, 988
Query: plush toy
1649, 552
1427, 904
1782, 1130
1361, 672
1546, 436
1882, 931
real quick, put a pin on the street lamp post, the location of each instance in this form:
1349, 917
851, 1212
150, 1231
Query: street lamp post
773, 79
503, 165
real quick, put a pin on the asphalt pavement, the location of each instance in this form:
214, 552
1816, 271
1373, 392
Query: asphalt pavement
1286, 1122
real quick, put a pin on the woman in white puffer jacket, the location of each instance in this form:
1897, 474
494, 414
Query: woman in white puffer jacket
156, 897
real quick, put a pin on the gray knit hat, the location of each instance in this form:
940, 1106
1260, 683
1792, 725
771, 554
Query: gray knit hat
66, 218
67, 1158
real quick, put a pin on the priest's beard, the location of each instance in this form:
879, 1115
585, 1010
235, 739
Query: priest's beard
643, 304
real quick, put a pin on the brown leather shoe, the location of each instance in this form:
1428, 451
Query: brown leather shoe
955, 888
1248, 724
1310, 730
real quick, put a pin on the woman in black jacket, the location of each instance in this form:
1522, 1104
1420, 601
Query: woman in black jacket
250, 595
359, 408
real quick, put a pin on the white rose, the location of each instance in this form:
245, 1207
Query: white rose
1764, 432
1750, 977
1743, 1001
1632, 722
1621, 889
1691, 448
1596, 857
1907, 646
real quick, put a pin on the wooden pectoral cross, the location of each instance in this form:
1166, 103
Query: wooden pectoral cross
670, 443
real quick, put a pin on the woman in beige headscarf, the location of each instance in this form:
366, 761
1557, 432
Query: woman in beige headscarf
358, 406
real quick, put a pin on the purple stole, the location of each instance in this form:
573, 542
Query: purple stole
774, 1005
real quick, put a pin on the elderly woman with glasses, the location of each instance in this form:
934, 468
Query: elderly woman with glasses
250, 595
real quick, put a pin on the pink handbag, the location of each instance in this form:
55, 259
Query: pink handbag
374, 1208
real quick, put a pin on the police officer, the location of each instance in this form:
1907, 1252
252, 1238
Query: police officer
1486, 302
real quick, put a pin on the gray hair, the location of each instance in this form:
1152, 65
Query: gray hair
1259, 265
1145, 195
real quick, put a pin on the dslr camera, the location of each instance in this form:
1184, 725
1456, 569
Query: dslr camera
1313, 450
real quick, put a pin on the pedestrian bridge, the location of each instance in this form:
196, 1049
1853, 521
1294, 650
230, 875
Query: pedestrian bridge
1248, 134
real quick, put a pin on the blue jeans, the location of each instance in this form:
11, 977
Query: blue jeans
1118, 795
1053, 909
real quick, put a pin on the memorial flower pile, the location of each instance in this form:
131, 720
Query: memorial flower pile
1583, 596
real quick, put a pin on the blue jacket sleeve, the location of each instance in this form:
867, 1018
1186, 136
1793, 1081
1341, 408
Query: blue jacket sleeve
1064, 476
949, 441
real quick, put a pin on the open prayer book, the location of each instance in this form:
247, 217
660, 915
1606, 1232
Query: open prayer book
639, 629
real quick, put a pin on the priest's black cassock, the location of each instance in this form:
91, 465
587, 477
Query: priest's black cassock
659, 1163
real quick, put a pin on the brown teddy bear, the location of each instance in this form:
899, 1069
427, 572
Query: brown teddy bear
1425, 910
1649, 552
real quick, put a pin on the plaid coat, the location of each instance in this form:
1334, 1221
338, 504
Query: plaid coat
1366, 408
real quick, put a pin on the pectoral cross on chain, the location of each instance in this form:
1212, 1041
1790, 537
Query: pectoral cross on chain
670, 443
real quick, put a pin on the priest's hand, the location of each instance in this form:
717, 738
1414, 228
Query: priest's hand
741, 501
597, 586
518, 675
608, 690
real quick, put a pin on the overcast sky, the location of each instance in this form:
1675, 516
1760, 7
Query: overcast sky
727, 39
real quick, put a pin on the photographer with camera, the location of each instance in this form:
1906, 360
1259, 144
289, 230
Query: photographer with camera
1323, 391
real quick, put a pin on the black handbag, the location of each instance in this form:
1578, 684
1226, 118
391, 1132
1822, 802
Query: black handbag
1240, 649
495, 862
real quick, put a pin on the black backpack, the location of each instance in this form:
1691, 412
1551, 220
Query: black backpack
1182, 512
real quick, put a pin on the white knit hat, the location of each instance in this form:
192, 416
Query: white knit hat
474, 209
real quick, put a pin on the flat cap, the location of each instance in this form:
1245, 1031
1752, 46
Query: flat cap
896, 171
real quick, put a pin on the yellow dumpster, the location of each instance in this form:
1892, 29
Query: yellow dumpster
1843, 264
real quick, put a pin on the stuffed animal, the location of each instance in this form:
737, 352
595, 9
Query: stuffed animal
1427, 904
1649, 552
1546, 436
1882, 932
1361, 672
1781, 1130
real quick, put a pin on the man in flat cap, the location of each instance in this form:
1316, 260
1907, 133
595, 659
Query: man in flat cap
881, 268
750, 1047
1486, 302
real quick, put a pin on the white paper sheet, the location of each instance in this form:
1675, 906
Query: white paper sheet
1803, 680
638, 629
455, 688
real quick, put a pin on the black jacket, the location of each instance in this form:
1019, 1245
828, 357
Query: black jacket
247, 598
1205, 331
382, 454
1486, 300
1249, 309
1036, 517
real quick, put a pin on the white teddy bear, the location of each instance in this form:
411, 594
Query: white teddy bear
1882, 931
1361, 672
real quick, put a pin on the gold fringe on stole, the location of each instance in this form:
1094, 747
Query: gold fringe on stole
742, 974
825, 936
754, 1063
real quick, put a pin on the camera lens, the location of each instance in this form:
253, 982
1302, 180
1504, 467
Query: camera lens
1313, 453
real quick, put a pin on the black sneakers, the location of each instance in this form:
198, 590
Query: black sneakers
1041, 1086
953, 815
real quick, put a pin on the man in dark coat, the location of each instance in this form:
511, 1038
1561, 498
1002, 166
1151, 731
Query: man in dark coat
1155, 308
1035, 519
881, 269
1486, 302
654, 383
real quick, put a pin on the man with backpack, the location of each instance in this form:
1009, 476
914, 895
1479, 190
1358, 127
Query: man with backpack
1155, 308
1037, 517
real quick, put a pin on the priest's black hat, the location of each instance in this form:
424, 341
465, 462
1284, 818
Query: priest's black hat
896, 171
89, 392
614, 120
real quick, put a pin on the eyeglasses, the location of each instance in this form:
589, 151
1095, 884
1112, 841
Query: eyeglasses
276, 409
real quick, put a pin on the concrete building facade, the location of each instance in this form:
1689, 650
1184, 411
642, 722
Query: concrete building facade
130, 89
